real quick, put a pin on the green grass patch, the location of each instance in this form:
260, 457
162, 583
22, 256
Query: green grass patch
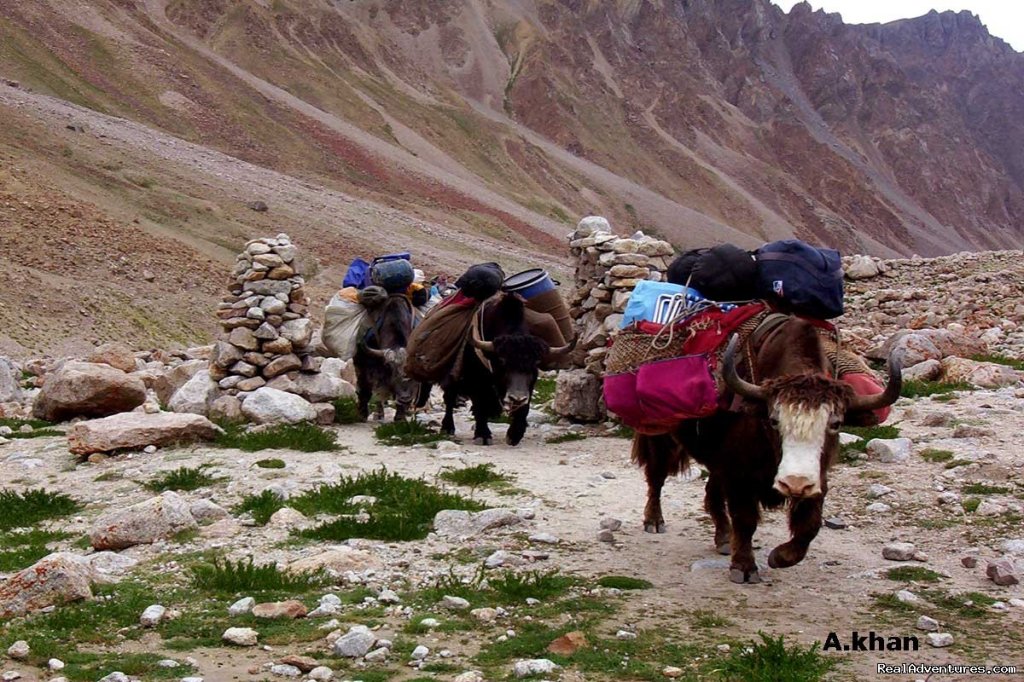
225, 577
913, 574
21, 550
20, 510
476, 476
868, 434
889, 602
772, 660
405, 507
273, 463
971, 504
302, 437
542, 585
984, 489
933, 455
346, 411
973, 605
16, 424
924, 389
624, 582
182, 478
544, 390
708, 620
998, 359
566, 438
261, 506
407, 433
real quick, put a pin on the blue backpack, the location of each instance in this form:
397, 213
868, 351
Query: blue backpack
357, 275
805, 279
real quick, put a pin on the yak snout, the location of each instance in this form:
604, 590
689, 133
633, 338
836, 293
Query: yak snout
797, 486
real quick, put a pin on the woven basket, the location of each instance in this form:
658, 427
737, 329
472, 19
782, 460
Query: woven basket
633, 348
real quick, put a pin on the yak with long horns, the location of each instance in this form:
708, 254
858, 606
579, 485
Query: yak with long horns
499, 371
776, 447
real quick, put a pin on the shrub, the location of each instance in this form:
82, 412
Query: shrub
302, 437
20, 510
224, 576
183, 478
407, 433
770, 660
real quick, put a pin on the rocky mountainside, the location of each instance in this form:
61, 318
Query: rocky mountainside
476, 129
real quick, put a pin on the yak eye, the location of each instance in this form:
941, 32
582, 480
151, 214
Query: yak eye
834, 424
774, 422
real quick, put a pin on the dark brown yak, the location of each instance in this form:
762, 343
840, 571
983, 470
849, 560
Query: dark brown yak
777, 446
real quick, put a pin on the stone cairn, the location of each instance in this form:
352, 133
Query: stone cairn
265, 317
608, 268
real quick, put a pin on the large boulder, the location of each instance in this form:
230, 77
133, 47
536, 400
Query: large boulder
458, 524
10, 382
82, 389
196, 395
578, 396
55, 579
168, 383
322, 388
861, 267
336, 561
117, 355
137, 430
980, 374
271, 406
155, 519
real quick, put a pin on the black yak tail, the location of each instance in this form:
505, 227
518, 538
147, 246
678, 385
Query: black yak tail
660, 453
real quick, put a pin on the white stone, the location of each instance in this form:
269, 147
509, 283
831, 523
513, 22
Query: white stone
357, 642
271, 406
152, 616
242, 607
544, 538
536, 666
55, 664
454, 524
927, 624
377, 655
240, 636
420, 652
321, 673
890, 451
940, 639
454, 603
19, 651
898, 551
283, 670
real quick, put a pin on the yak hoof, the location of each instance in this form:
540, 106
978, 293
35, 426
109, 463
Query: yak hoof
776, 559
480, 440
725, 549
509, 440
650, 527
739, 576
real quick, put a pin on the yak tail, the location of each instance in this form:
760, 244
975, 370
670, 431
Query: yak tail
662, 453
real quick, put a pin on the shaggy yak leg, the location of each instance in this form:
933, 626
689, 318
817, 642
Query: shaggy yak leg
659, 457
744, 513
451, 399
804, 524
481, 431
714, 504
365, 392
517, 427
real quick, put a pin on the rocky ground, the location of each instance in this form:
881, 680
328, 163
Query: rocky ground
923, 536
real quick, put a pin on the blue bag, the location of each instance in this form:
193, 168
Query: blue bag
804, 279
357, 275
659, 302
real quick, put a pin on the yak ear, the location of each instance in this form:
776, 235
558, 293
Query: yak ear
861, 418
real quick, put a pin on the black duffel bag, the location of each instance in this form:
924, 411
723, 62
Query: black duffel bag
481, 281
720, 273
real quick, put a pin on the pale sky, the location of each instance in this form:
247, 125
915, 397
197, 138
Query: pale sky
1004, 18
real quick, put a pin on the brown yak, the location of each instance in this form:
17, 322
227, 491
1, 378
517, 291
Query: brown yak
776, 447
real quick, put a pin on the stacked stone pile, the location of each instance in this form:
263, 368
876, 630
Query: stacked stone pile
265, 317
608, 268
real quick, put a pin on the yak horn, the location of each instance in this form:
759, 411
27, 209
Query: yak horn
374, 352
480, 344
563, 350
732, 379
869, 403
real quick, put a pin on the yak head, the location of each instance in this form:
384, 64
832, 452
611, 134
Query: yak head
515, 354
392, 332
805, 410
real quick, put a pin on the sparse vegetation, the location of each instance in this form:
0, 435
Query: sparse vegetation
544, 390
301, 437
223, 576
518, 587
708, 620
622, 582
20, 550
771, 660
346, 411
407, 433
182, 478
932, 455
918, 574
998, 359
984, 489
971, 504
21, 510
261, 506
566, 438
923, 389
476, 476
272, 463
40, 428
953, 464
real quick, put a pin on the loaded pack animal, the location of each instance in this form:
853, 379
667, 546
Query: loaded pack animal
504, 373
380, 359
774, 447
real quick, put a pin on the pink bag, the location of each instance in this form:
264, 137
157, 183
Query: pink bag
659, 395
670, 391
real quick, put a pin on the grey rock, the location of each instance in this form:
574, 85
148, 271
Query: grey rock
155, 519
152, 616
357, 642
242, 606
240, 636
452, 523
939, 639
927, 624
271, 406
536, 666
898, 551
890, 451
